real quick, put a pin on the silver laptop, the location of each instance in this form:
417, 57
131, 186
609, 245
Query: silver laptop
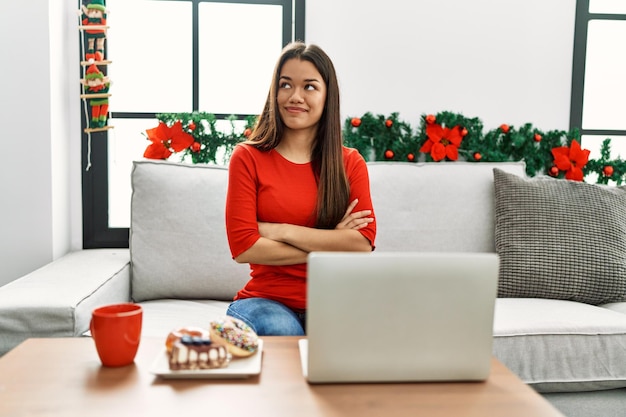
399, 316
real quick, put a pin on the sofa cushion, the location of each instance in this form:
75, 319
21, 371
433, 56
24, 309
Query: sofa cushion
561, 346
410, 215
619, 307
560, 239
178, 239
162, 316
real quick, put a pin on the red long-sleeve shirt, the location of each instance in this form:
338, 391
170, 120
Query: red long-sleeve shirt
266, 187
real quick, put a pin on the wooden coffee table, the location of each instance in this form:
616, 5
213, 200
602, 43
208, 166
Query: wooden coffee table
63, 377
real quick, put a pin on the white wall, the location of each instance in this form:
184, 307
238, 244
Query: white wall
501, 61
35, 80
65, 128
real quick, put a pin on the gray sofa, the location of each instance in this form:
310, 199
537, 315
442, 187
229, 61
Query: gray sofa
180, 269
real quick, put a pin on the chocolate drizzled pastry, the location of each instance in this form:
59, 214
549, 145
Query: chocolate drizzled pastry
191, 353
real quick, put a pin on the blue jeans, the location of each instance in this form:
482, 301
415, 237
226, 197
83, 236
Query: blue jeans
268, 317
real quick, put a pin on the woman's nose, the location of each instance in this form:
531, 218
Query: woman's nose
296, 96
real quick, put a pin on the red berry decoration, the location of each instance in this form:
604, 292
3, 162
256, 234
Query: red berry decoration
537, 137
389, 154
478, 156
356, 122
554, 171
504, 128
464, 132
410, 157
607, 170
192, 126
247, 132
388, 123
430, 119
195, 147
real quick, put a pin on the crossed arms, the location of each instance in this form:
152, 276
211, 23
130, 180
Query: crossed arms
288, 244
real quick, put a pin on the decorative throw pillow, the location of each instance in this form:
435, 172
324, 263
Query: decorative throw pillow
560, 239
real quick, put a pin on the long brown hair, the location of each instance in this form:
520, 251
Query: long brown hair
327, 153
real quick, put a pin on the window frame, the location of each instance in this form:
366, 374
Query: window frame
94, 146
583, 17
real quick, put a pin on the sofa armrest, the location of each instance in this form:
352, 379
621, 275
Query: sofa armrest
56, 300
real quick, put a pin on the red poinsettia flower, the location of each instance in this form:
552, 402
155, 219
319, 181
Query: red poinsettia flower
157, 150
442, 142
165, 139
571, 160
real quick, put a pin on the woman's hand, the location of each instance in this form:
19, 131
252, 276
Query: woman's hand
356, 220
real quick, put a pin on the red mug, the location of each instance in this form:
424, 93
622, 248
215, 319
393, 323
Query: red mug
116, 331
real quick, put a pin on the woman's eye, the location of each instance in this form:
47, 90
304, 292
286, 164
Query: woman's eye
309, 87
284, 85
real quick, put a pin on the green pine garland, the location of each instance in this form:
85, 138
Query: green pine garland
206, 133
388, 138
376, 138
606, 168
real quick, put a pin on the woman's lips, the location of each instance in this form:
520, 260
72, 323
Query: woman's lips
295, 109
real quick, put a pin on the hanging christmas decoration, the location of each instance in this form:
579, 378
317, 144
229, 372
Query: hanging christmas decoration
96, 93
94, 20
95, 82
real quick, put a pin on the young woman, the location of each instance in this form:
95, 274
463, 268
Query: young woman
293, 189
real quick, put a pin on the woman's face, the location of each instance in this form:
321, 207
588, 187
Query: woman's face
301, 94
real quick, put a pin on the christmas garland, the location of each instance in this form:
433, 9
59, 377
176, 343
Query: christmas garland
194, 136
444, 136
448, 136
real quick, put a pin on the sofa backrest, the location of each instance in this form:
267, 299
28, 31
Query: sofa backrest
444, 206
178, 241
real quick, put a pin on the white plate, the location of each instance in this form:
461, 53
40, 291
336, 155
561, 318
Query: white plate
237, 368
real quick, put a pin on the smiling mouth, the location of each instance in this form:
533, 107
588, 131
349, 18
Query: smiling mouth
295, 109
